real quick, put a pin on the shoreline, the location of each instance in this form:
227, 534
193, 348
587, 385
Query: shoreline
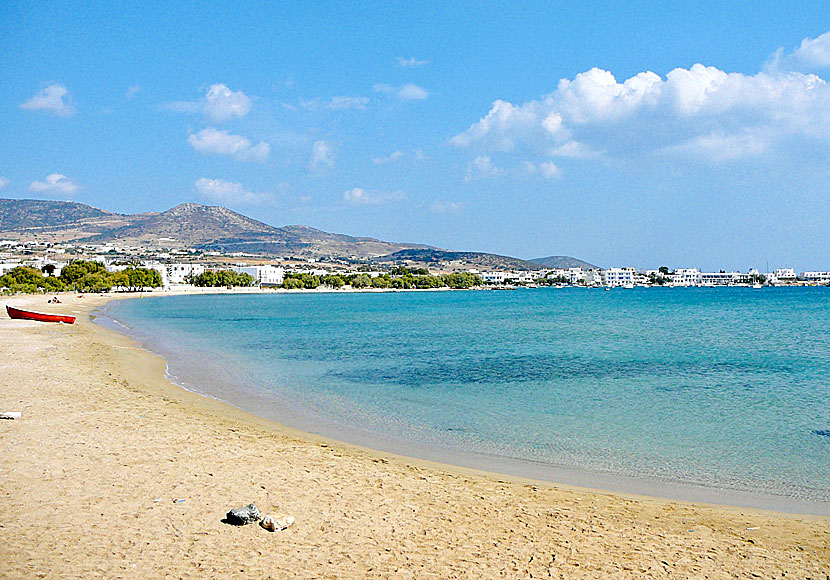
304, 422
368, 512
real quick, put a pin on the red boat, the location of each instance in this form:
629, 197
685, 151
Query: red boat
30, 315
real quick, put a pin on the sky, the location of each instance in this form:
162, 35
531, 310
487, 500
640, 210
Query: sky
622, 133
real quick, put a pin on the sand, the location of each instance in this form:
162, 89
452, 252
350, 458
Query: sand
105, 443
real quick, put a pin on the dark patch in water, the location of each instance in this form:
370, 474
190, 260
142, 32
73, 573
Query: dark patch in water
822, 432
532, 368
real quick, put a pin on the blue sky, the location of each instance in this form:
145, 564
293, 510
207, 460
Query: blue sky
619, 132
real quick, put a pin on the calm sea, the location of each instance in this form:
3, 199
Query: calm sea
705, 394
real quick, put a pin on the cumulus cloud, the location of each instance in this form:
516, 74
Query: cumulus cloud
322, 156
699, 110
360, 196
229, 192
482, 167
214, 141
411, 62
446, 207
55, 184
4, 181
394, 156
54, 99
814, 51
408, 92
219, 104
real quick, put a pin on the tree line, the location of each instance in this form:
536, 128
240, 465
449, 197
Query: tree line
80, 276
407, 280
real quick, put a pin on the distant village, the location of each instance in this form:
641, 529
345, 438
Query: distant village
180, 267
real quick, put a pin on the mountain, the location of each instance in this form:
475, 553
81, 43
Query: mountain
215, 228
188, 225
55, 220
563, 262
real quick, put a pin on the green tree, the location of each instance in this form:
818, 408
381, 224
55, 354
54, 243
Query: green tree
332, 281
362, 281
381, 281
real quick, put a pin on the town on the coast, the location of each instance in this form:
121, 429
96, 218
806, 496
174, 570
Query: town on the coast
38, 266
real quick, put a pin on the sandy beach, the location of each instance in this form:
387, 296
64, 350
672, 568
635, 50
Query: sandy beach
105, 444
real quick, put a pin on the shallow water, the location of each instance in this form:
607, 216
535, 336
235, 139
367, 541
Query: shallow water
723, 393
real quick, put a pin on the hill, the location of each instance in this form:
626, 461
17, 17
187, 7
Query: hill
188, 225
477, 259
216, 228
563, 262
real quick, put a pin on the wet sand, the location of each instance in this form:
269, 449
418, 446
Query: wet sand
105, 444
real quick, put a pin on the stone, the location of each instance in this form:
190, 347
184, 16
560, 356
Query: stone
244, 515
276, 523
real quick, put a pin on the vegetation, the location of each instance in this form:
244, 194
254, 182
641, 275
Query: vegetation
78, 275
28, 280
400, 278
221, 278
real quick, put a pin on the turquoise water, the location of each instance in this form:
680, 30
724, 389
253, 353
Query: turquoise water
706, 389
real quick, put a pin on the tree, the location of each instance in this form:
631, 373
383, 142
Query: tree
381, 282
362, 281
332, 281
461, 280
75, 270
220, 278
664, 270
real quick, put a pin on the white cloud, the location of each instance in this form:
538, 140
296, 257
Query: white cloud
717, 147
814, 51
547, 169
210, 140
411, 62
446, 207
336, 103
55, 184
322, 156
482, 168
394, 156
219, 104
419, 155
54, 99
4, 181
408, 92
229, 192
132, 91
359, 196
698, 111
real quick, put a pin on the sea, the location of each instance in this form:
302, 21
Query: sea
719, 395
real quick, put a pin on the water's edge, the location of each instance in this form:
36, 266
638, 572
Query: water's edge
604, 481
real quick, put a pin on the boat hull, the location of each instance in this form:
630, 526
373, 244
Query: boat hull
39, 316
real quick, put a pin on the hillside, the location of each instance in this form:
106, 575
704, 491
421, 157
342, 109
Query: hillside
477, 259
57, 220
188, 225
563, 262
215, 228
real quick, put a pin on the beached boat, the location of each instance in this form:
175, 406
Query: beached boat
40, 316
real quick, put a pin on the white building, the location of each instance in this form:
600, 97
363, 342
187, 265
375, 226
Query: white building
5, 268
618, 277
495, 277
178, 273
264, 275
816, 277
686, 277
